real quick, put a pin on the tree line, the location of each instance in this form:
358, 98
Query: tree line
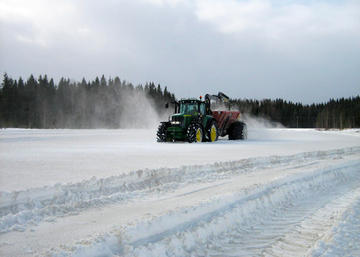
335, 114
101, 103
112, 103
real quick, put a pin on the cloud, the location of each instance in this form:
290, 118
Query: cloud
234, 16
301, 50
280, 24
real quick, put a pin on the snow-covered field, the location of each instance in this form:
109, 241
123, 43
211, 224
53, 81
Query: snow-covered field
282, 192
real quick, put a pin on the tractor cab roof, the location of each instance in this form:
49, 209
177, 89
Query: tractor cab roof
190, 100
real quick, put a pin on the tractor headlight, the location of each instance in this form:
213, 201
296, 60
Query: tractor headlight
175, 122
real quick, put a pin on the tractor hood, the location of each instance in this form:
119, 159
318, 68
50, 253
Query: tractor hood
180, 119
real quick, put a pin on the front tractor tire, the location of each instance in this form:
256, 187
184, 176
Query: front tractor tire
238, 131
161, 134
195, 133
213, 132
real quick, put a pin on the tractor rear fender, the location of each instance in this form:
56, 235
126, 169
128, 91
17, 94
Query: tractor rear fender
208, 123
197, 122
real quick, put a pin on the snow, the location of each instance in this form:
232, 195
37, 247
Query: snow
282, 192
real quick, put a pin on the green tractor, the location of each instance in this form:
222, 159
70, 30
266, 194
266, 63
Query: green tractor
193, 121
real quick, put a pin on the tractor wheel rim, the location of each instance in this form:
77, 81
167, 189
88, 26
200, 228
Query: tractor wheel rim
213, 134
198, 135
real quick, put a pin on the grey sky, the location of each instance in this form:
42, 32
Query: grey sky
301, 51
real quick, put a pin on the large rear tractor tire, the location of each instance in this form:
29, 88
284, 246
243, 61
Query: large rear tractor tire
213, 132
161, 134
195, 133
238, 130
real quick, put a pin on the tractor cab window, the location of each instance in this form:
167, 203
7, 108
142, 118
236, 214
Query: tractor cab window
190, 108
203, 109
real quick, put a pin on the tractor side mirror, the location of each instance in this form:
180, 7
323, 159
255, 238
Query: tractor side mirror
167, 105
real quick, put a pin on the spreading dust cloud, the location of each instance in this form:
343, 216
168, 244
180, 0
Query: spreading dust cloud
140, 112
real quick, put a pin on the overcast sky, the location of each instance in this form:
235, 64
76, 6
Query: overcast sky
298, 50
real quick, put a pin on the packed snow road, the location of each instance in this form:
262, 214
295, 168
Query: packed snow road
281, 193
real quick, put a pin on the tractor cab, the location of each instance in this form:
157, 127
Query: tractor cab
192, 107
187, 111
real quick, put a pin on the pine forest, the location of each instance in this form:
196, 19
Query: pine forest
108, 103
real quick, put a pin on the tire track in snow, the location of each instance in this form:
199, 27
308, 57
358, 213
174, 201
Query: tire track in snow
317, 226
344, 238
291, 230
202, 189
278, 222
266, 220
